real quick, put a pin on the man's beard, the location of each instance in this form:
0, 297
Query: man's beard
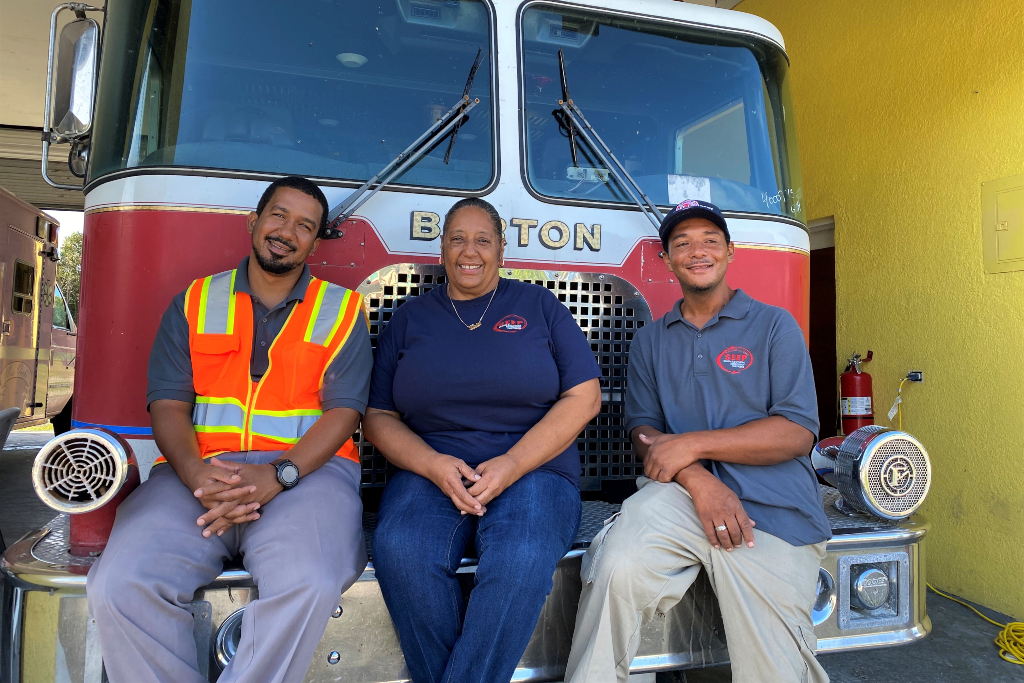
275, 265
701, 289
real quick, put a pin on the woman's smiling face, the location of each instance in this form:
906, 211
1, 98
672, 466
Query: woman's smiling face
471, 249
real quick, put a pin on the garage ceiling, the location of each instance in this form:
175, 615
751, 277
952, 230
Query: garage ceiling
20, 158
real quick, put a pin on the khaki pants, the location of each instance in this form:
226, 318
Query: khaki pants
645, 559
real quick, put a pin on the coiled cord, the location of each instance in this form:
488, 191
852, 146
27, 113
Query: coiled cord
1010, 640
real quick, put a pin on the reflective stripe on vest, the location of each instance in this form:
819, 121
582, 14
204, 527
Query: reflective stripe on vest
285, 425
330, 307
231, 412
217, 304
225, 415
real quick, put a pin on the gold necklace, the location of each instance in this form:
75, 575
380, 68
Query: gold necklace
448, 291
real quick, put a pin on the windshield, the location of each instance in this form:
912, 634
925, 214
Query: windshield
323, 88
691, 114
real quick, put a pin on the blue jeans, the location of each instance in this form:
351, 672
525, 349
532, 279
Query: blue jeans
421, 537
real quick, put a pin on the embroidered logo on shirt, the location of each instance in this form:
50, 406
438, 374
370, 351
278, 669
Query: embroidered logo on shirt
510, 323
735, 359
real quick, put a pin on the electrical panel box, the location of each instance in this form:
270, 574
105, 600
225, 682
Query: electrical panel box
1002, 224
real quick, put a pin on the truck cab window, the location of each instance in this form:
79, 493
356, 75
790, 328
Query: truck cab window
690, 113
61, 317
322, 89
24, 288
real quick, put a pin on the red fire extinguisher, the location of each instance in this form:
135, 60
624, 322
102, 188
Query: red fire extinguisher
855, 395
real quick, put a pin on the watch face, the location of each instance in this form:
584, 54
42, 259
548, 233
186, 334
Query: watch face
290, 473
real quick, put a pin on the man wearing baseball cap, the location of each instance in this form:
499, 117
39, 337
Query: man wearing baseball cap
720, 407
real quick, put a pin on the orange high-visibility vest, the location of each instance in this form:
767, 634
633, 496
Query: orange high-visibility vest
233, 413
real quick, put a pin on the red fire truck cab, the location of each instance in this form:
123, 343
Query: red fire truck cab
586, 121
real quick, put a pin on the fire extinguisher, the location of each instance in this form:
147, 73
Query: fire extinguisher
855, 395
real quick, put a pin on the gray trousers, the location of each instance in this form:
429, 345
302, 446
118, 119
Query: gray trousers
645, 559
306, 549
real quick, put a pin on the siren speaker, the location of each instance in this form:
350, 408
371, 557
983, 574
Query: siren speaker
877, 470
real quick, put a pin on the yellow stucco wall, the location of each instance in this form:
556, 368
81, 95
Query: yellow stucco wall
903, 109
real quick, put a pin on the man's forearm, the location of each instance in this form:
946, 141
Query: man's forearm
321, 441
692, 476
175, 436
767, 441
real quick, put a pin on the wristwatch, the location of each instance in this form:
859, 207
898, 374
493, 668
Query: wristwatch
287, 473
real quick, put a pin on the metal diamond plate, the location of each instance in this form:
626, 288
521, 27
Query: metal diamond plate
53, 548
859, 522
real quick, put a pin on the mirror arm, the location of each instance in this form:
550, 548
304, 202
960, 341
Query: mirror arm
46, 171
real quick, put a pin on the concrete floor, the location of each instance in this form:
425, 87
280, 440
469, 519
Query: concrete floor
959, 649
21, 511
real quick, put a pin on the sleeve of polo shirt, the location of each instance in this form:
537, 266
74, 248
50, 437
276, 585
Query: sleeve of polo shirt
791, 379
643, 405
347, 378
170, 365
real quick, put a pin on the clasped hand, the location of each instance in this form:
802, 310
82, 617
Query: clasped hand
667, 455
472, 489
232, 493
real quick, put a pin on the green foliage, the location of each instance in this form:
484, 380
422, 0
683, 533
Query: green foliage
69, 270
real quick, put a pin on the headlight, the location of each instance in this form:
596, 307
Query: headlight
879, 471
81, 470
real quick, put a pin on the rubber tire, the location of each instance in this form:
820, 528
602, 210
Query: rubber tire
62, 421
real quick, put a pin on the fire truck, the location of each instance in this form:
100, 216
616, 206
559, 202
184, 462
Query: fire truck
582, 122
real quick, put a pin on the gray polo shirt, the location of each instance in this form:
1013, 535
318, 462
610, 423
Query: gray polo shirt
748, 362
346, 381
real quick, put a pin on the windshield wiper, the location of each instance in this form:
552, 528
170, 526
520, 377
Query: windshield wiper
450, 122
465, 94
577, 123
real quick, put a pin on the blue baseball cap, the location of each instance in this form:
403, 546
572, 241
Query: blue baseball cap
692, 208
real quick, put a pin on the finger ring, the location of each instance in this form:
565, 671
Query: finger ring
721, 528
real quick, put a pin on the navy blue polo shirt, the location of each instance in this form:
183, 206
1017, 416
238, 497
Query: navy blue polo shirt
747, 363
473, 394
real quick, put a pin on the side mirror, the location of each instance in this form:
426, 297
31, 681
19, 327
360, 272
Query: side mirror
72, 67
75, 82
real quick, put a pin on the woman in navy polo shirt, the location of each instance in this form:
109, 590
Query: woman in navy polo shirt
479, 391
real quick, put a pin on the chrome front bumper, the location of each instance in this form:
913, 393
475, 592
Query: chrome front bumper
54, 639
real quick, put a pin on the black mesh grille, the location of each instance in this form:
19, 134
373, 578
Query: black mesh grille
608, 310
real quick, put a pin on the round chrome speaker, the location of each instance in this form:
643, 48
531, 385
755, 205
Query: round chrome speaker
81, 470
879, 471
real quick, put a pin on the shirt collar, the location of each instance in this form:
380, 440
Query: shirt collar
737, 308
298, 292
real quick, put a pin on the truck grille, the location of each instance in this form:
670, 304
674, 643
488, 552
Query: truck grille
607, 308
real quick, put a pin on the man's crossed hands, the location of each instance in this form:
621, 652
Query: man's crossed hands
676, 457
232, 493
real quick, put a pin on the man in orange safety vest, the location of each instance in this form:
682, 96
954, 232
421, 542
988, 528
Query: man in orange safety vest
257, 381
